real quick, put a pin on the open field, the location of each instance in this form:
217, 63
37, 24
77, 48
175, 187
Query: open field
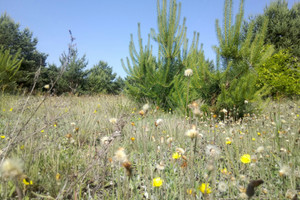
105, 148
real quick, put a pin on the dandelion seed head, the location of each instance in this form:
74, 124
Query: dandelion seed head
191, 133
222, 186
180, 150
120, 155
188, 72
12, 168
212, 151
260, 149
285, 170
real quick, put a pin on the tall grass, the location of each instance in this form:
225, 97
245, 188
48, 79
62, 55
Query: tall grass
68, 150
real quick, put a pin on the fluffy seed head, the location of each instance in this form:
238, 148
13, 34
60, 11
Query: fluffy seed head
188, 72
11, 168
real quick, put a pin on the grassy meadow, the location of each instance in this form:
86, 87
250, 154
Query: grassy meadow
109, 147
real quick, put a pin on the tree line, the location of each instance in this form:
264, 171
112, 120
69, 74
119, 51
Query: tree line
22, 66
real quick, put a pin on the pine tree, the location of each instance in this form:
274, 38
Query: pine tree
238, 59
152, 78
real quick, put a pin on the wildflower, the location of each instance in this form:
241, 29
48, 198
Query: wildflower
260, 149
132, 124
127, 165
212, 151
246, 102
142, 112
2, 136
11, 168
222, 186
105, 140
160, 166
69, 135
214, 116
192, 133
158, 122
224, 171
113, 120
132, 139
224, 111
29, 182
11, 109
169, 140
243, 195
285, 170
228, 140
180, 150
57, 176
120, 155
188, 72
47, 86
42, 131
253, 139
290, 194
73, 124
95, 111
157, 182
246, 158
146, 107
3, 110
258, 133
205, 189
176, 155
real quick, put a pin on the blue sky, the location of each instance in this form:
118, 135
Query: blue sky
102, 28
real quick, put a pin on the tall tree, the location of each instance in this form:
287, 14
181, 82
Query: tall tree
101, 79
14, 39
238, 59
151, 78
9, 66
283, 27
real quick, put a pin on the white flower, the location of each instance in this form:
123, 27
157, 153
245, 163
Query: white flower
224, 110
180, 150
192, 133
246, 102
188, 72
146, 107
285, 170
113, 120
158, 122
160, 166
47, 86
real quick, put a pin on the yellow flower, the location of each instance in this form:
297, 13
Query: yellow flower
246, 158
157, 182
132, 124
205, 189
4, 110
95, 111
176, 155
57, 176
2, 136
11, 109
22, 147
54, 125
132, 139
26, 182
228, 142
42, 131
253, 139
258, 133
